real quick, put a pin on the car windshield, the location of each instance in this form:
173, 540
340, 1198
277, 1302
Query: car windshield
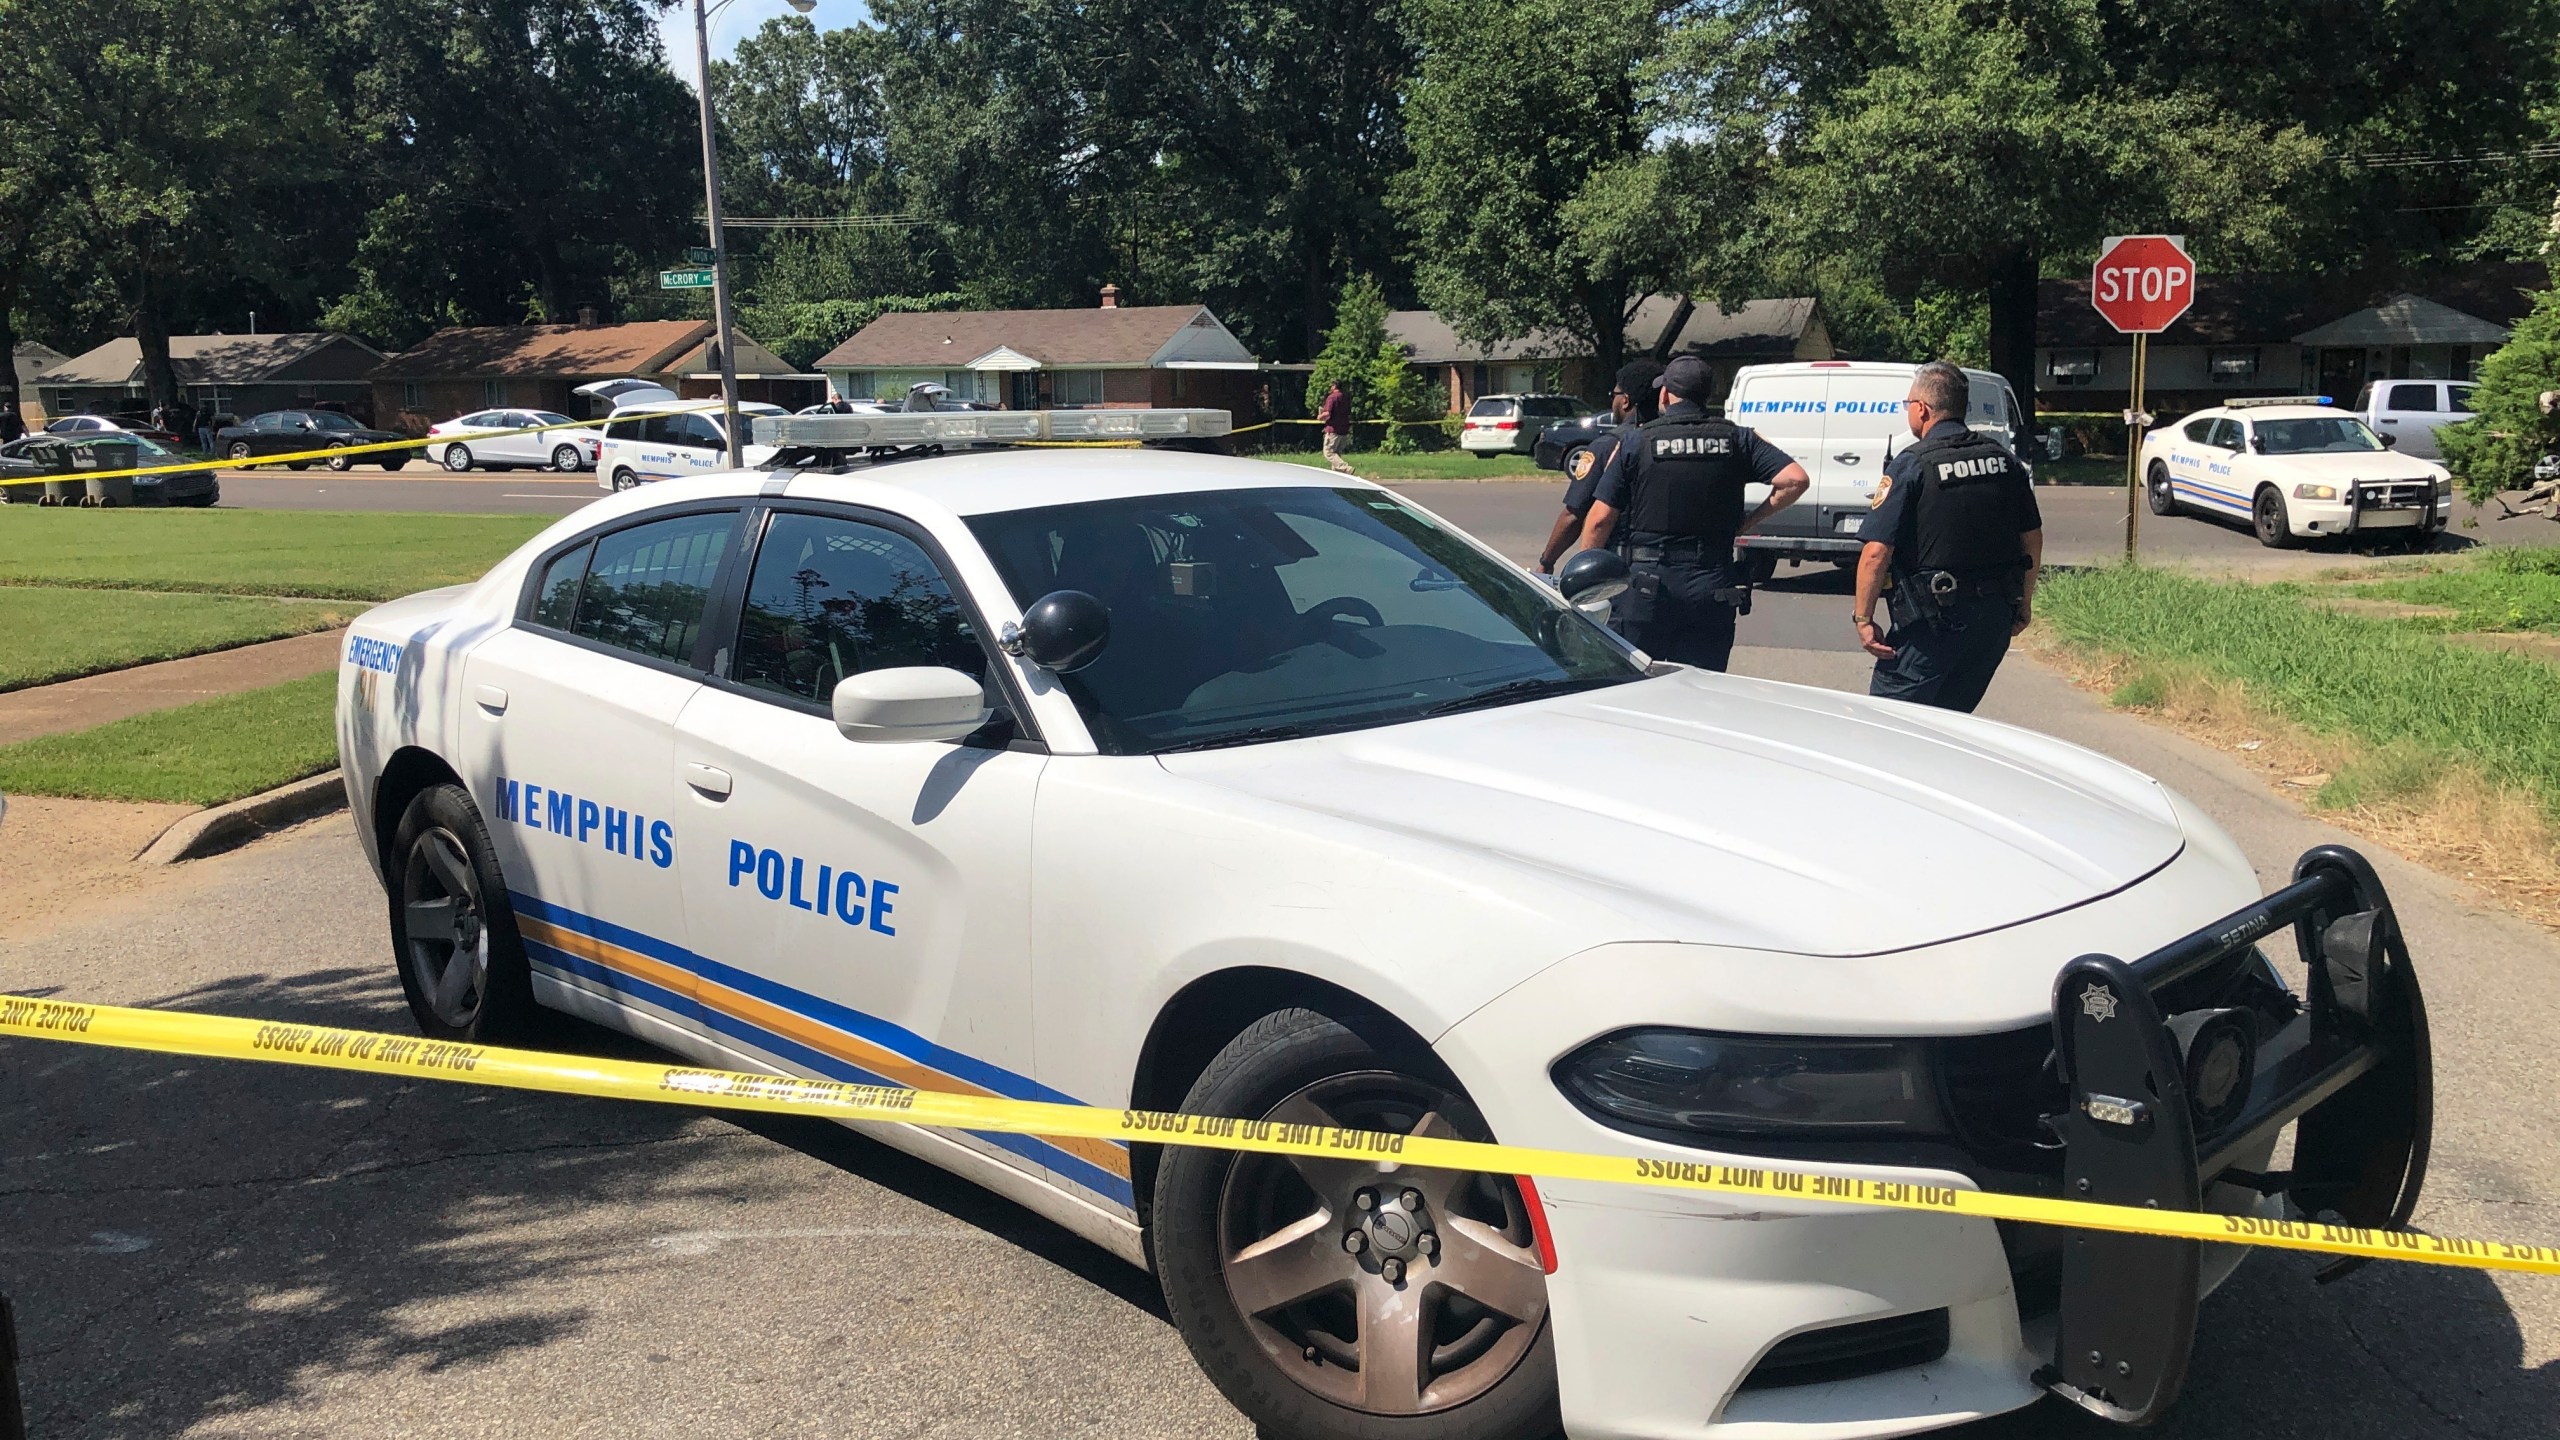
331, 420
2327, 435
1245, 615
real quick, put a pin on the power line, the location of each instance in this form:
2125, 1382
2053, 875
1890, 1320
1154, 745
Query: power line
820, 222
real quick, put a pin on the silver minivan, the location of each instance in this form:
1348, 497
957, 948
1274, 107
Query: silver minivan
1510, 424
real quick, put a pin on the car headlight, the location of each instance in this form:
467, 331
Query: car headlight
1755, 1085
2315, 492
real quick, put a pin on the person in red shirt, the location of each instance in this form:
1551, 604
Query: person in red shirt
1335, 412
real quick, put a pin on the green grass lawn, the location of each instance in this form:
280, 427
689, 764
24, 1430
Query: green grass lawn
2492, 590
2388, 683
2077, 469
51, 634
328, 554
208, 753
1425, 465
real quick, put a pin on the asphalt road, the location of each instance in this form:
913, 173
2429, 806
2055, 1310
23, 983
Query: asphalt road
215, 1249
419, 487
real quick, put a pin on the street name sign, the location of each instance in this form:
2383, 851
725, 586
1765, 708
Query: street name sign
694, 279
2143, 283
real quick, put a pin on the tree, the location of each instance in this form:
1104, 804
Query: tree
2510, 428
1532, 198
1374, 368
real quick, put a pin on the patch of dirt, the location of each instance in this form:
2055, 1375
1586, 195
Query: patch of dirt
2449, 817
57, 856
2380, 609
2514, 642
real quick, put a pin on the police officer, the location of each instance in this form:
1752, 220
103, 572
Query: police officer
1633, 403
1671, 502
1958, 530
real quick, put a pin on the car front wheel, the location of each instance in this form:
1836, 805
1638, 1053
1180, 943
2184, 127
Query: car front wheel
1334, 1298
2272, 522
2163, 497
462, 965
564, 458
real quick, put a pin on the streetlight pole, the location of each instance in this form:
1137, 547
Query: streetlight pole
723, 322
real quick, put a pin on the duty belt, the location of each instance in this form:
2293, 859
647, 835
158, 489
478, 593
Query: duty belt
1682, 550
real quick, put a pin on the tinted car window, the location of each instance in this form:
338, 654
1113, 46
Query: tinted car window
555, 599
647, 586
1493, 410
2200, 431
2458, 399
332, 420
2411, 397
623, 430
2226, 433
831, 598
694, 430
2343, 434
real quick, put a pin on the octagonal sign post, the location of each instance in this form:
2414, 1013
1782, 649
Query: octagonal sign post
2140, 285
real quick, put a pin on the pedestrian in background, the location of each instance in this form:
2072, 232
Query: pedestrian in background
1957, 530
1631, 404
1673, 505
1335, 414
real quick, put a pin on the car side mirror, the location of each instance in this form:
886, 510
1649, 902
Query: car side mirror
909, 703
2388, 440
1592, 576
2258, 443
1064, 631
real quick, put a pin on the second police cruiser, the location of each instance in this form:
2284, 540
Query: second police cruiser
1958, 530
1671, 502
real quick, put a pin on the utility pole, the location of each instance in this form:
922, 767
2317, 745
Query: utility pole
723, 321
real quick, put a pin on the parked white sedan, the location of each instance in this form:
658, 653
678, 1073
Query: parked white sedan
2294, 468
1185, 782
481, 440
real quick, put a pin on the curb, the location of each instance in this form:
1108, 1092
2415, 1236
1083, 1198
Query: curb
228, 827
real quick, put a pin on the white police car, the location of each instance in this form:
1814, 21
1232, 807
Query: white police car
1185, 782
2295, 468
652, 435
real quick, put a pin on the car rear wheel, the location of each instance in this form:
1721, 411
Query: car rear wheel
624, 480
2272, 522
2157, 489
564, 458
462, 964
341, 461
457, 458
241, 453
395, 462
1337, 1298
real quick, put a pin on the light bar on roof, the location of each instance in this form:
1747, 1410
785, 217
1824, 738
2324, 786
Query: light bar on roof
2251, 402
900, 429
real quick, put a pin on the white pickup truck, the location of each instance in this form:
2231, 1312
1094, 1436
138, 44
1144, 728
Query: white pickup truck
2408, 412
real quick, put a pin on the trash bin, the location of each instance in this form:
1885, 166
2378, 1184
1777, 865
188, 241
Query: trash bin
109, 455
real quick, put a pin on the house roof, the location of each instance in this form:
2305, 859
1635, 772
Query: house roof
1126, 336
2406, 319
638, 347
31, 358
2236, 309
1751, 328
1433, 342
201, 359
2246, 308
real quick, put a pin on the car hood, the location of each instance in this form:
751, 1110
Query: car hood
2348, 465
1716, 810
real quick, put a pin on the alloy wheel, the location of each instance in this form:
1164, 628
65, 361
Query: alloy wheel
447, 924
1382, 1288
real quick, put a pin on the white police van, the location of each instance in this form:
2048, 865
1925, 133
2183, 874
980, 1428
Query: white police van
654, 435
1842, 420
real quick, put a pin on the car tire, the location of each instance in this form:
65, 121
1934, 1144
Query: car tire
1295, 1367
564, 459
457, 458
297, 464
339, 460
625, 480
449, 909
394, 464
2162, 496
2268, 516
241, 454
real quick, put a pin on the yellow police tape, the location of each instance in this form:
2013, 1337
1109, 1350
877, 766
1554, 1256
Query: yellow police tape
227, 1037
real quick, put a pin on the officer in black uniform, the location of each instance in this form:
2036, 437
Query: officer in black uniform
1958, 530
1672, 503
1633, 403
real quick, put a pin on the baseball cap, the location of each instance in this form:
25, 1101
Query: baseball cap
1686, 377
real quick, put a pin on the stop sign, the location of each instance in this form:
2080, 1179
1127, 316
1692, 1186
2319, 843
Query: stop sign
2142, 282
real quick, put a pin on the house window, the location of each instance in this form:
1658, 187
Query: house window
493, 392
413, 395
2232, 367
1075, 387
2072, 367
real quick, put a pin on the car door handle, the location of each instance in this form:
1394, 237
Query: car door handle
711, 780
1846, 459
2387, 420
492, 699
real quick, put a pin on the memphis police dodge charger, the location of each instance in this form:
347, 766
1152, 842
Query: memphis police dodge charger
1194, 783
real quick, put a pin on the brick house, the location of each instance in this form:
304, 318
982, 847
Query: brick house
234, 374
540, 367
1113, 355
1754, 333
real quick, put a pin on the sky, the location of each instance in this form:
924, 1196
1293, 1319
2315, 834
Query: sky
740, 19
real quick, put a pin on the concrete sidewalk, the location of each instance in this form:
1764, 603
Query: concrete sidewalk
97, 699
